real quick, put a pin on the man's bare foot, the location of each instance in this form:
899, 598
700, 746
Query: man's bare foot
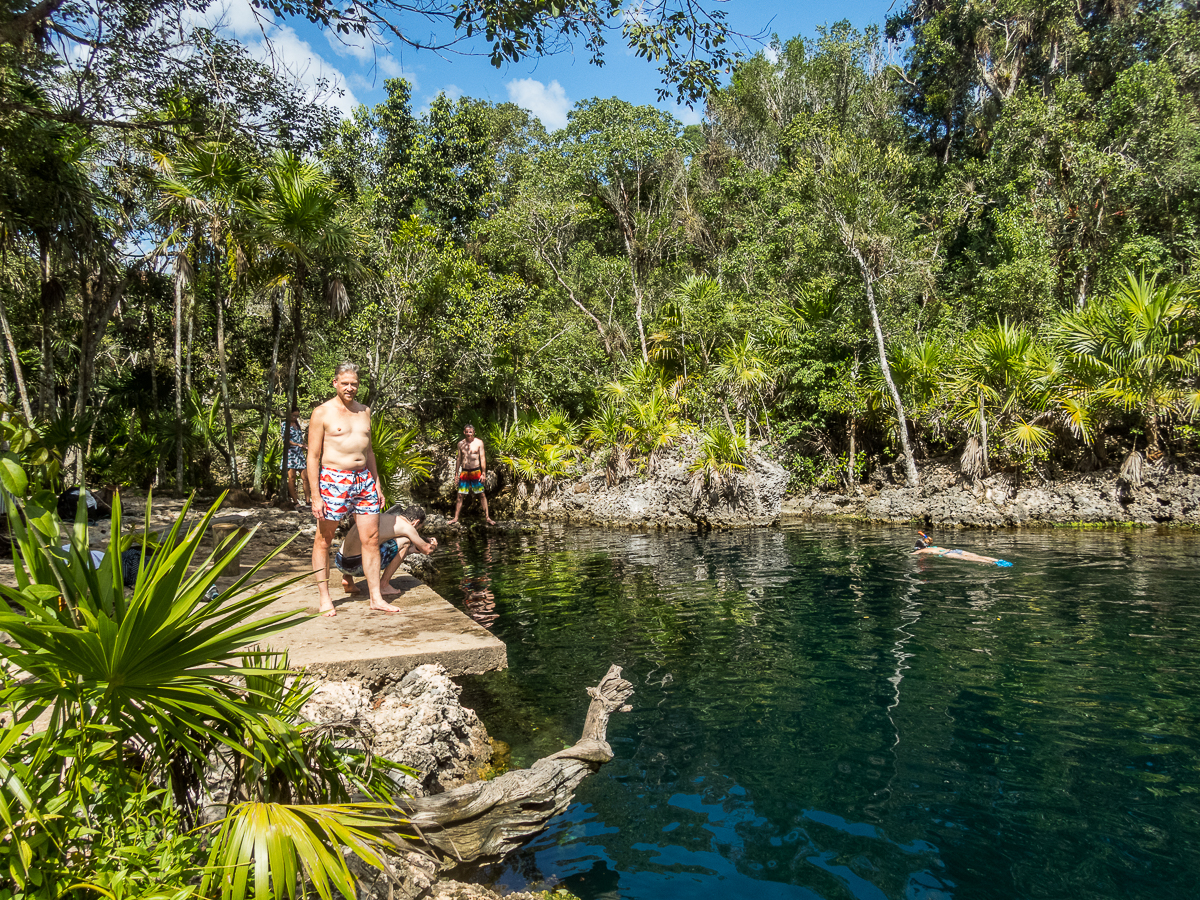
452, 521
385, 608
388, 591
349, 587
329, 613
491, 521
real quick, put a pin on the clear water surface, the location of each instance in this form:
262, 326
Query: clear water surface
819, 714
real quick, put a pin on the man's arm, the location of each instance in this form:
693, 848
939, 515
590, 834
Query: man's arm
316, 441
482, 459
404, 529
458, 459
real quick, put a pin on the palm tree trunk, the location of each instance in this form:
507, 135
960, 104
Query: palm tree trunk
22, 393
262, 438
179, 381
158, 469
187, 366
46, 389
853, 424
297, 340
910, 463
221, 364
983, 431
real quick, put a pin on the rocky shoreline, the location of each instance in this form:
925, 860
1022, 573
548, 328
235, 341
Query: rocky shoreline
415, 719
948, 498
672, 498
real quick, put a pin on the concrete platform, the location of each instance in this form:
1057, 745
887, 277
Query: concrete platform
359, 643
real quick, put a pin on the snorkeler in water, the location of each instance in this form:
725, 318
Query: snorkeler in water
926, 547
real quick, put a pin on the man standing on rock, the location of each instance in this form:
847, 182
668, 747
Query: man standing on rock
470, 471
342, 464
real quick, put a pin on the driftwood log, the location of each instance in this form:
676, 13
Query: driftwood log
483, 822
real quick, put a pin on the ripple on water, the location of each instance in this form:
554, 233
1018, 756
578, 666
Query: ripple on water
821, 714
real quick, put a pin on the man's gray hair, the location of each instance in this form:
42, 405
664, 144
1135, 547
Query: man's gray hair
345, 367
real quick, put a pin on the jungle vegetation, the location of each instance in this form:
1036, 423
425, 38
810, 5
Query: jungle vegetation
970, 232
981, 245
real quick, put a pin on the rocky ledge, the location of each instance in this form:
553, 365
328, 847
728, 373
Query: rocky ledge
672, 497
415, 720
947, 497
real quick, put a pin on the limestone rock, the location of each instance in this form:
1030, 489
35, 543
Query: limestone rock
416, 721
946, 497
669, 498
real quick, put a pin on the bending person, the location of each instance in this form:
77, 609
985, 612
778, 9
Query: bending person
926, 547
398, 535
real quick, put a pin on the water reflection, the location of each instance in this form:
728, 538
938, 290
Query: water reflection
820, 714
475, 591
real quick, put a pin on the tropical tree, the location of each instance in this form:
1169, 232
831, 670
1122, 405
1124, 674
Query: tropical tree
850, 169
203, 184
1141, 345
995, 378
294, 221
630, 159
746, 373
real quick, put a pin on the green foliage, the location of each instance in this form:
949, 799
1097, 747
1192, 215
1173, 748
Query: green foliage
279, 849
722, 454
396, 452
1141, 348
141, 689
30, 462
538, 450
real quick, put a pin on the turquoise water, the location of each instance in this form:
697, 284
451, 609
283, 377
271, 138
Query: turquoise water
818, 713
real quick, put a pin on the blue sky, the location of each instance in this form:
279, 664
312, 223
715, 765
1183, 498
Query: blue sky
548, 87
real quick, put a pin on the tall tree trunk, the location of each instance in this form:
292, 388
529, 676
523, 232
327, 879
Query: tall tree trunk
222, 366
267, 412
178, 376
18, 377
637, 294
187, 366
46, 297
99, 305
983, 431
297, 342
158, 463
4, 394
910, 463
853, 425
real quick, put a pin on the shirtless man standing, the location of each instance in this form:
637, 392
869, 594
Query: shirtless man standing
342, 464
470, 468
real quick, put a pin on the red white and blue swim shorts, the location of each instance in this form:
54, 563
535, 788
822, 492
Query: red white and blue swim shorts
349, 490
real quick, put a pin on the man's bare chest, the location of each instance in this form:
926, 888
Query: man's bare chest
346, 424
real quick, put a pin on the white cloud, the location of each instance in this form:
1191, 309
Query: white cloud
236, 17
548, 102
771, 52
288, 54
687, 115
279, 47
392, 69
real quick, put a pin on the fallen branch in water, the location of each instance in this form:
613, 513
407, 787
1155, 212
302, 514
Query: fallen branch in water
487, 820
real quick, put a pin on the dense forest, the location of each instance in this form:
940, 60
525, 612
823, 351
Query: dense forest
970, 232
